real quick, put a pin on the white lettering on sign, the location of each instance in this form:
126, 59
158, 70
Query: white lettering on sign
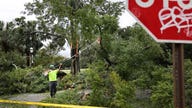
183, 5
149, 3
145, 4
176, 16
179, 2
165, 3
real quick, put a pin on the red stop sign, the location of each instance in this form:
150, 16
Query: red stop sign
165, 20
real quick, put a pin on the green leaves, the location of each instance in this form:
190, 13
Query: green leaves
9, 59
23, 80
124, 92
162, 96
89, 17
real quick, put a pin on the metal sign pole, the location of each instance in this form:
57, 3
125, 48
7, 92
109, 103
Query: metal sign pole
178, 73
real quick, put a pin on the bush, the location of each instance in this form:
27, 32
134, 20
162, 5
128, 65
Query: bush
162, 88
23, 80
8, 59
36, 81
162, 96
124, 92
188, 83
65, 97
108, 89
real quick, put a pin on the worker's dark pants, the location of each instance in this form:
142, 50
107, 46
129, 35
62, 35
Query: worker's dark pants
52, 88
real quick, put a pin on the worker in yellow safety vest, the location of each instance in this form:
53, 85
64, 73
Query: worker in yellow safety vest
53, 80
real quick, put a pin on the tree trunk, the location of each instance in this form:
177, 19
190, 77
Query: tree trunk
75, 64
28, 59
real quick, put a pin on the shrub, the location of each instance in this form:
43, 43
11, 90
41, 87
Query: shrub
8, 59
162, 96
65, 97
108, 88
124, 92
36, 81
188, 83
23, 80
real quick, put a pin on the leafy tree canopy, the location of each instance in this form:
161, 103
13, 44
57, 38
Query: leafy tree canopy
76, 19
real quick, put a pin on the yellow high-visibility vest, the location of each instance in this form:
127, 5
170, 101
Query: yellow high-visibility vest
53, 75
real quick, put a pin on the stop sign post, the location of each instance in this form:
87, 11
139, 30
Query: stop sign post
168, 21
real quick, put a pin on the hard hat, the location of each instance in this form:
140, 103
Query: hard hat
51, 66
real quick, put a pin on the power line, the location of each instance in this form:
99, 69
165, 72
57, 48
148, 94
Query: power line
93, 43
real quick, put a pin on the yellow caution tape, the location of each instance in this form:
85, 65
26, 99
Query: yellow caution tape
46, 104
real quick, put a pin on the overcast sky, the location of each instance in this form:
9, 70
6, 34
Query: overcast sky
10, 9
